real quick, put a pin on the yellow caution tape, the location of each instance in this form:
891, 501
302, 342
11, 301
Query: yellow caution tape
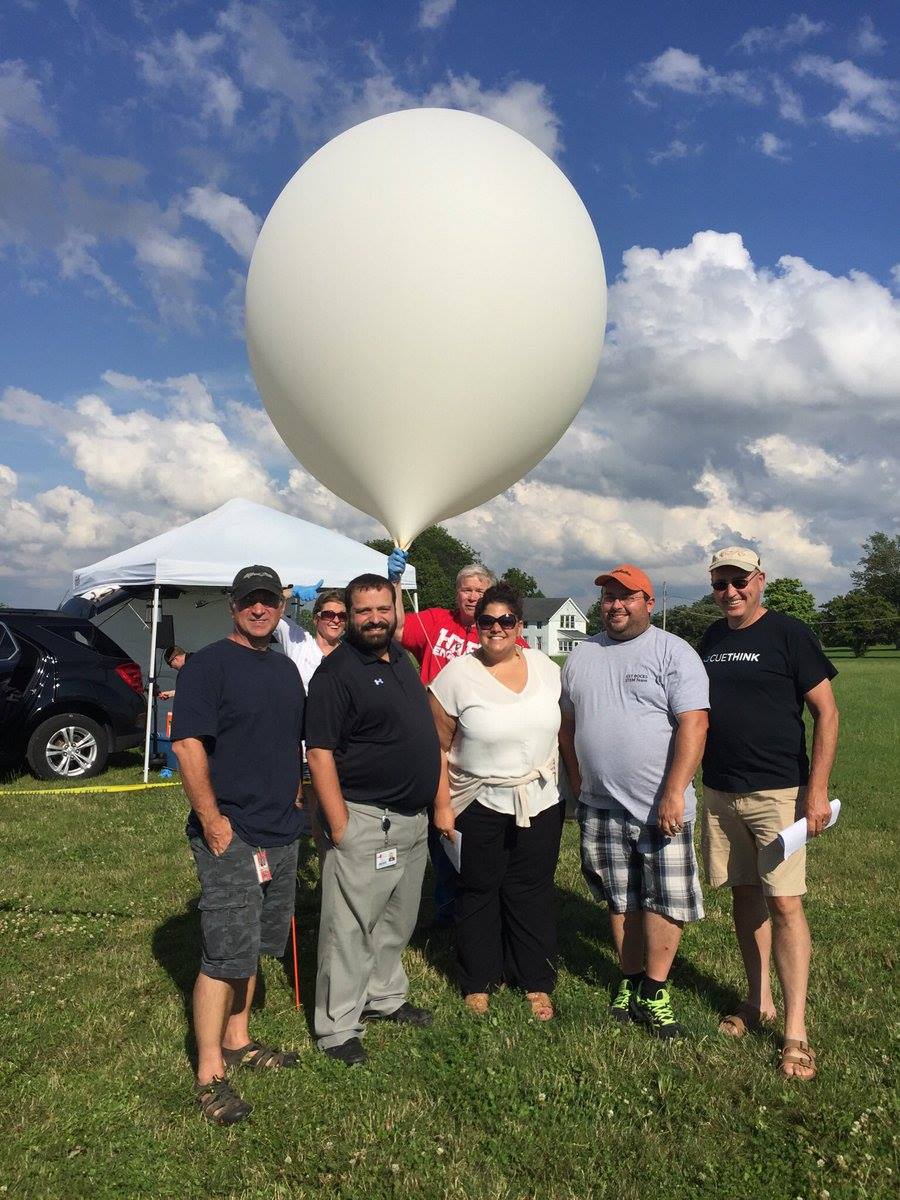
116, 787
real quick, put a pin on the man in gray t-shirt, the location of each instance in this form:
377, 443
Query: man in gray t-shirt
635, 706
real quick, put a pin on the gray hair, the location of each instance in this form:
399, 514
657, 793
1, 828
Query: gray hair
478, 569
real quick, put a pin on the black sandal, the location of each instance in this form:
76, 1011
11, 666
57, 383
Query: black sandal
257, 1057
219, 1102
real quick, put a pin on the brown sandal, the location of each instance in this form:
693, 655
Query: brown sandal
219, 1102
747, 1019
795, 1053
541, 1005
476, 1003
257, 1057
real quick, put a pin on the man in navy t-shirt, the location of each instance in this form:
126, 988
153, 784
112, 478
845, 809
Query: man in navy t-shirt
238, 721
763, 668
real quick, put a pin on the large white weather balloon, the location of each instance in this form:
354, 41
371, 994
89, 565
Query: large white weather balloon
425, 312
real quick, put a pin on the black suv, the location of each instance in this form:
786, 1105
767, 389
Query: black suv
68, 694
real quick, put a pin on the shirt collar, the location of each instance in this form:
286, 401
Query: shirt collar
366, 656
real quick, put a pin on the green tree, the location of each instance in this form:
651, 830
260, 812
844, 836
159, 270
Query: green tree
790, 597
437, 556
526, 585
858, 620
690, 621
594, 618
879, 568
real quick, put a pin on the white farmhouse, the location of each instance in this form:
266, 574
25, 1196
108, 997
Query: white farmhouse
553, 624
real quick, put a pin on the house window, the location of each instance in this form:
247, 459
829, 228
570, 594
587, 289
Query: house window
565, 645
540, 643
567, 621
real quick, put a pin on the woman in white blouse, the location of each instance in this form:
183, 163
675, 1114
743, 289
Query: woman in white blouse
497, 717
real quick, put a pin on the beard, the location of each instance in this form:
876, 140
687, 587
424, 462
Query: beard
374, 637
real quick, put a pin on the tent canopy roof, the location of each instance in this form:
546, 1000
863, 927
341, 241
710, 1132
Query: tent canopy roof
209, 551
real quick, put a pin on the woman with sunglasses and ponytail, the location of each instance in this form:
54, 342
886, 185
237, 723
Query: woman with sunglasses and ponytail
497, 716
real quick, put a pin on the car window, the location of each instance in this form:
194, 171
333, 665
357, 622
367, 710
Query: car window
8, 647
83, 633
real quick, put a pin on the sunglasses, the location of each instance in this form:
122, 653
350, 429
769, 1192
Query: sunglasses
329, 614
505, 621
737, 582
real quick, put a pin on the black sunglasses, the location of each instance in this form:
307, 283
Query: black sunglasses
738, 583
505, 621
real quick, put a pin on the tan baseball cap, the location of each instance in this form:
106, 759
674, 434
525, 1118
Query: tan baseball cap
736, 556
629, 576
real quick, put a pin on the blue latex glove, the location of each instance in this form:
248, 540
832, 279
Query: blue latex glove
306, 595
396, 564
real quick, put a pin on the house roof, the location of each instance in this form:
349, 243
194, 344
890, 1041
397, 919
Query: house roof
544, 608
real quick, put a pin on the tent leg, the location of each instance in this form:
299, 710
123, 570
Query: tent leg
151, 683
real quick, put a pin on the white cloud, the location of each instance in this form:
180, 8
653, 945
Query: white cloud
169, 254
21, 103
675, 149
227, 216
867, 39
22, 407
790, 105
75, 259
433, 13
682, 72
787, 459
184, 64
798, 29
268, 60
773, 146
870, 104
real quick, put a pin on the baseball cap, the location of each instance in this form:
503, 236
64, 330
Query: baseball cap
736, 556
630, 577
255, 579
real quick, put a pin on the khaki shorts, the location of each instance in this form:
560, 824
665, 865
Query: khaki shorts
737, 826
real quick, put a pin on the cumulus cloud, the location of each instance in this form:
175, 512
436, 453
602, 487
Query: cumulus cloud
773, 146
870, 104
21, 101
798, 29
680, 71
867, 39
785, 458
433, 13
227, 216
675, 149
185, 64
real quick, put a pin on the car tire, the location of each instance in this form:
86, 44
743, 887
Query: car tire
68, 746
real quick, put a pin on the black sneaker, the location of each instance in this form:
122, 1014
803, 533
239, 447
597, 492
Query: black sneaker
350, 1053
656, 1013
406, 1014
619, 1008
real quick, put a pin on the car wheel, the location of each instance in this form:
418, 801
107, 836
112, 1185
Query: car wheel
68, 746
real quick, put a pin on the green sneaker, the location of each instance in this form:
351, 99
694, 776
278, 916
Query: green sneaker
656, 1013
619, 1007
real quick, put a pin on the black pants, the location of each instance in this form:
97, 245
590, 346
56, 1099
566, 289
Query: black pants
505, 921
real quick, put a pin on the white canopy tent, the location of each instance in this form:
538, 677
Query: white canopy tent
200, 560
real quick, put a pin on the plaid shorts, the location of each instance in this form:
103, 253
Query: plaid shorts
633, 866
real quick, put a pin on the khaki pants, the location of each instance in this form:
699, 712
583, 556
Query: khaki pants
739, 828
368, 917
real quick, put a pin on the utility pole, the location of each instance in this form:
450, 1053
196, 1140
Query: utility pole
665, 601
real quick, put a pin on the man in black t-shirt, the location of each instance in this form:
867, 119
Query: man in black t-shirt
238, 721
763, 667
374, 758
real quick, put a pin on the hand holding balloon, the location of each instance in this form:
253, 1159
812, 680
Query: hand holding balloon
396, 564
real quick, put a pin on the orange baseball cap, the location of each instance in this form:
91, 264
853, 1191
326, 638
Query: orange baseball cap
629, 576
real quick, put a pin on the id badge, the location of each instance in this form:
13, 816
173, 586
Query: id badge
263, 870
385, 858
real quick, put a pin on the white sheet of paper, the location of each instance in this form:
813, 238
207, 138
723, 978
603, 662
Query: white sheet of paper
453, 849
795, 836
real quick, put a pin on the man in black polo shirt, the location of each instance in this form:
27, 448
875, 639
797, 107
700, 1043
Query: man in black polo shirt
237, 727
375, 762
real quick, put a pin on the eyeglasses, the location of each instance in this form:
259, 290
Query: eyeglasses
737, 582
329, 614
505, 621
267, 599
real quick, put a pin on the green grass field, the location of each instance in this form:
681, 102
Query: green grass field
100, 946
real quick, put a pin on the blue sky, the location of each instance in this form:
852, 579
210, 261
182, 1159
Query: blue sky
741, 172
